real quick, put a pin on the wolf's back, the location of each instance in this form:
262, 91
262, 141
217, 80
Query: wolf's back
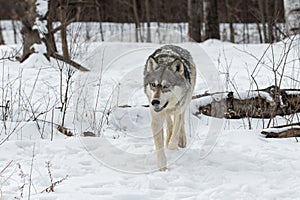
169, 53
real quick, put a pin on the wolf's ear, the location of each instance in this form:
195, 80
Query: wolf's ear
151, 64
177, 66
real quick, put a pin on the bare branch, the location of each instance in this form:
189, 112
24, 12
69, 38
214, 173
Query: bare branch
70, 62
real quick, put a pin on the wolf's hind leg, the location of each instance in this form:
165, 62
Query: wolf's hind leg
182, 136
169, 129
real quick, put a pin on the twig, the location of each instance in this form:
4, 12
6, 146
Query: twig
253, 56
52, 184
285, 56
48, 165
30, 175
33, 113
6, 166
52, 119
22, 176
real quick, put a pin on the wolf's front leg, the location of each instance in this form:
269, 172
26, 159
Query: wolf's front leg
169, 129
173, 143
158, 135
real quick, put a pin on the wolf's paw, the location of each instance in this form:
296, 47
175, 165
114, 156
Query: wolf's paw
182, 141
163, 169
161, 162
172, 145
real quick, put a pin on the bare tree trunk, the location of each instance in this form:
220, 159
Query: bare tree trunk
1, 36
78, 11
231, 28
194, 20
63, 30
148, 21
262, 18
210, 10
275, 20
158, 32
259, 32
269, 21
49, 37
247, 33
231, 31
244, 34
14, 19
136, 20
14, 31
98, 6
229, 19
27, 15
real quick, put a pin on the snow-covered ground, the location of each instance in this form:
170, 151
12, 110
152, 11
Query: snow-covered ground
223, 160
243, 165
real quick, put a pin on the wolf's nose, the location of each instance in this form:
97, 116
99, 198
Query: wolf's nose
155, 102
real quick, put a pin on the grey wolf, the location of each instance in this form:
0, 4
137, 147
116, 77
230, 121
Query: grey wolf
169, 81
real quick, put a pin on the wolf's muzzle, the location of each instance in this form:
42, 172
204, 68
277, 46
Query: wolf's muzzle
157, 108
155, 102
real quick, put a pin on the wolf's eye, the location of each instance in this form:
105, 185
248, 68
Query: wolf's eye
152, 84
166, 86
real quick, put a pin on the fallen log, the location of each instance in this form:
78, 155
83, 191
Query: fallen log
265, 103
285, 131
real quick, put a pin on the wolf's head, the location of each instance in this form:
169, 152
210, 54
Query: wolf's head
164, 83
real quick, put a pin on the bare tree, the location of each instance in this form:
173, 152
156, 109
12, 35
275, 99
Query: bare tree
136, 20
49, 37
98, 6
14, 17
194, 20
148, 20
210, 11
270, 20
32, 34
261, 6
228, 15
1, 36
63, 30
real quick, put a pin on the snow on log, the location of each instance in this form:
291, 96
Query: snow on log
290, 130
265, 103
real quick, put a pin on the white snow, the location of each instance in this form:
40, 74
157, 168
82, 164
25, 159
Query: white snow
279, 130
253, 94
41, 25
293, 92
42, 7
223, 160
242, 165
